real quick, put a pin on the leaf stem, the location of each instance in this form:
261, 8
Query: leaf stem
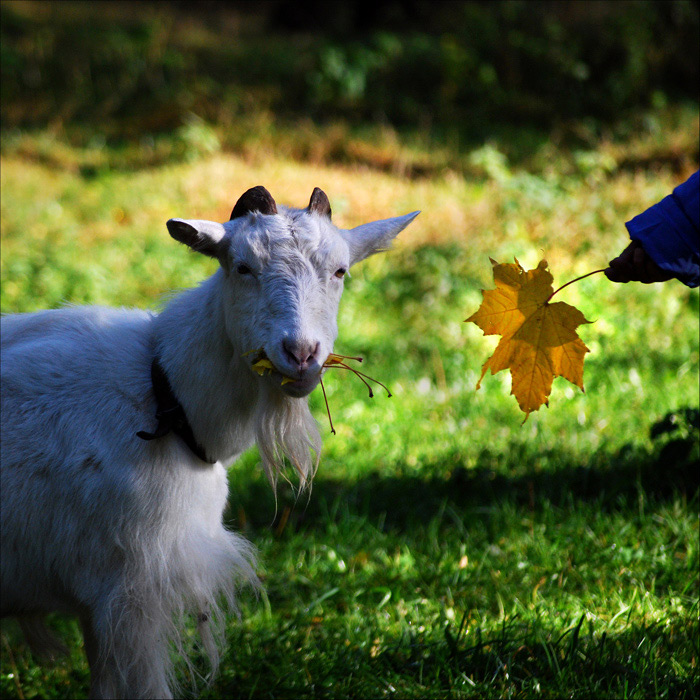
328, 408
595, 272
347, 357
361, 375
342, 365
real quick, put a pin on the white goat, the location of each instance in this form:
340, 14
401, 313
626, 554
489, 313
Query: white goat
126, 531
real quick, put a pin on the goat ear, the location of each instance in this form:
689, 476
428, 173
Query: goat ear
202, 236
376, 236
254, 199
319, 204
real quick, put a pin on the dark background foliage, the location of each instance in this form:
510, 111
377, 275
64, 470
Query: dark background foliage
456, 67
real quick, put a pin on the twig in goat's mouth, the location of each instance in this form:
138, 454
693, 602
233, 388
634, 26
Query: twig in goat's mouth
334, 361
339, 362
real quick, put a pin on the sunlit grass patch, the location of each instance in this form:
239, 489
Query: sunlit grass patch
444, 550
120, 218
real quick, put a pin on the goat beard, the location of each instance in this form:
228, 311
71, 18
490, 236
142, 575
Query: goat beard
285, 430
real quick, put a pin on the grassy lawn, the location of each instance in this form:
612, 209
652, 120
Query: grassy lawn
446, 549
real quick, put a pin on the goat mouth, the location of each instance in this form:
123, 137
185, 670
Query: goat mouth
296, 387
308, 381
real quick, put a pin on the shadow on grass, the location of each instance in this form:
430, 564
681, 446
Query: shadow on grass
462, 658
536, 481
578, 657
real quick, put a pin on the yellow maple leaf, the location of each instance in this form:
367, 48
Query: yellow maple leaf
539, 339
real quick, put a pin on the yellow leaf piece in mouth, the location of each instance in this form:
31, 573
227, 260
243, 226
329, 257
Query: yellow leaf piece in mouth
262, 366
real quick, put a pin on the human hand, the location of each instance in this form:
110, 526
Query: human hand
634, 265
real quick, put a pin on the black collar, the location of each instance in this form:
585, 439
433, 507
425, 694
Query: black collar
170, 414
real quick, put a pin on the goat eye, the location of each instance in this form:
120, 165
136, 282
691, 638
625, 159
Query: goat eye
242, 269
340, 273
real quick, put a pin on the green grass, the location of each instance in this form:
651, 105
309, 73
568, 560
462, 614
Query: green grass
446, 549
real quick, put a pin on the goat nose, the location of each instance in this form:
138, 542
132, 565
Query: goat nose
300, 353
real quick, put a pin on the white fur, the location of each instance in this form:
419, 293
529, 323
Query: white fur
126, 533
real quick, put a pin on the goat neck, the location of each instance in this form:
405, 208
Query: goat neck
210, 379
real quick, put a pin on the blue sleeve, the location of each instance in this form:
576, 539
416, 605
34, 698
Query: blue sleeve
670, 231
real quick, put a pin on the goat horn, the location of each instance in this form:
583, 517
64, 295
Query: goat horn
254, 199
319, 203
